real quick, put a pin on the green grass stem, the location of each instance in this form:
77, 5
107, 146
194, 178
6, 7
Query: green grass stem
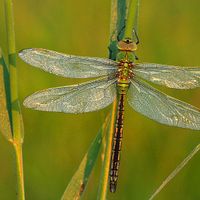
20, 172
132, 18
117, 25
16, 117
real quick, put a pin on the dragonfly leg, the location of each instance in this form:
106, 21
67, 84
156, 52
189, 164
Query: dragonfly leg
136, 57
110, 52
136, 36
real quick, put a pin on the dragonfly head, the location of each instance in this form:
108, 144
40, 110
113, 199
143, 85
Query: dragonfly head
127, 45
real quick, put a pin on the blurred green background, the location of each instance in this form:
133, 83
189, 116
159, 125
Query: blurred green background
55, 143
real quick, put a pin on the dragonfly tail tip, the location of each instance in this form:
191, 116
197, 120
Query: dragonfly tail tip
113, 187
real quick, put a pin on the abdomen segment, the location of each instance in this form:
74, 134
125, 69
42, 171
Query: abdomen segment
117, 144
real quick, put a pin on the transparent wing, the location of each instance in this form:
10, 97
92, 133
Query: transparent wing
161, 107
170, 76
68, 65
80, 98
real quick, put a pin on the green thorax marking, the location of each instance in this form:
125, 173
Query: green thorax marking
125, 59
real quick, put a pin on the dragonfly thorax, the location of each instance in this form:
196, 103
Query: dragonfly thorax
124, 73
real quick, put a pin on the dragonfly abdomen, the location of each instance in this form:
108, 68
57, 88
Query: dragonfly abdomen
117, 143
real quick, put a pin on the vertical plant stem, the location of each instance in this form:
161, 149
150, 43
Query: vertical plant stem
16, 118
106, 163
131, 18
117, 24
20, 174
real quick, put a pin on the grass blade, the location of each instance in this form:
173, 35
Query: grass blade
176, 171
132, 18
103, 186
78, 183
136, 21
117, 25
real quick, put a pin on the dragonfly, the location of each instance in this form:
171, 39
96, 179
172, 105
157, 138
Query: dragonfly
122, 79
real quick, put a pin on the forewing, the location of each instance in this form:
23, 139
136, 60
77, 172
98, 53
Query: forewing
170, 76
68, 65
86, 97
161, 107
